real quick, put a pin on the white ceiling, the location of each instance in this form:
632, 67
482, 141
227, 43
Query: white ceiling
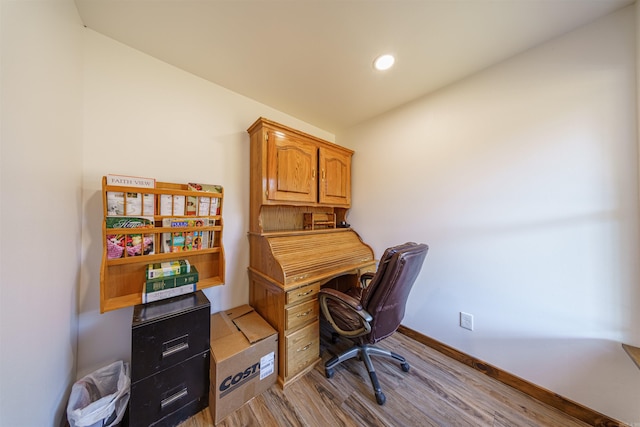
312, 58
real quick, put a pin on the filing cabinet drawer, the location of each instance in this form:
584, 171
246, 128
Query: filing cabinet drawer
303, 348
300, 314
303, 293
158, 397
158, 342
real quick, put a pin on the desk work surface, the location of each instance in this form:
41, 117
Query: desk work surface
294, 259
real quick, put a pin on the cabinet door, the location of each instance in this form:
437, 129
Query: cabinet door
335, 177
291, 169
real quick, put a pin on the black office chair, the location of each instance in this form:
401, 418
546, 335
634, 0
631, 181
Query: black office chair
373, 311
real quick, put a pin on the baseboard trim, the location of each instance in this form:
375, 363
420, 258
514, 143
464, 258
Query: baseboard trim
552, 399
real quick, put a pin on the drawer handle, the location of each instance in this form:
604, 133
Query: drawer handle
173, 398
305, 348
306, 313
175, 349
304, 294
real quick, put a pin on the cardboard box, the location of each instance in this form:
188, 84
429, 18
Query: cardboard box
244, 359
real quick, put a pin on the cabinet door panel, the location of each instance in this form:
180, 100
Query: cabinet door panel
291, 169
335, 178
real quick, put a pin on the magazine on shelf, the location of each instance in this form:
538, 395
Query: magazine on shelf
192, 206
121, 245
172, 204
185, 240
119, 203
215, 206
206, 205
130, 203
210, 188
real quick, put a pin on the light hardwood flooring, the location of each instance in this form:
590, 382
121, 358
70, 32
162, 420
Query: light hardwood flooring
437, 391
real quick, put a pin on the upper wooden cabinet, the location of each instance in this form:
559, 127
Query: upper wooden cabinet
335, 177
292, 167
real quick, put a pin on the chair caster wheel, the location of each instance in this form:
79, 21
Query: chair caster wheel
405, 367
328, 373
380, 398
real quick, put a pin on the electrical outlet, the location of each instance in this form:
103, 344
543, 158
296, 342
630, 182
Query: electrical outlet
466, 320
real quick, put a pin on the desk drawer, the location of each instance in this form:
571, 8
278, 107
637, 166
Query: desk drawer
159, 396
300, 314
303, 348
303, 293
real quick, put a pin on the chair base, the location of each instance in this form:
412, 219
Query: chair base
364, 353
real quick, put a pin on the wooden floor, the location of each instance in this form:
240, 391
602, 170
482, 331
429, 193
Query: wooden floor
437, 391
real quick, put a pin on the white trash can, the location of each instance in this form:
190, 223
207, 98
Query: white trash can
100, 398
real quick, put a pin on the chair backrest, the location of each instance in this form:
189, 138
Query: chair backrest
384, 261
386, 296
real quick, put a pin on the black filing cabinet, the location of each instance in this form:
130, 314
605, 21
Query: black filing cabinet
169, 360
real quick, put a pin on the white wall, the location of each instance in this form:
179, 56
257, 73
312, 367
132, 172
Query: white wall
143, 117
40, 211
523, 179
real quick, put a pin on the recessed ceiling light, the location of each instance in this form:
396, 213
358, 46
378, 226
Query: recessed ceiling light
384, 62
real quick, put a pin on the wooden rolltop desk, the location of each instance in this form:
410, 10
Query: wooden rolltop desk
300, 193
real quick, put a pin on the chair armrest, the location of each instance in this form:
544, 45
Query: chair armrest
341, 297
351, 307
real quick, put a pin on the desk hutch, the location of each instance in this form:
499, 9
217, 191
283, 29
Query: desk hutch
300, 191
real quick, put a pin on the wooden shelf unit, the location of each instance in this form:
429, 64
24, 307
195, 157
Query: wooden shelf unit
279, 219
314, 221
121, 279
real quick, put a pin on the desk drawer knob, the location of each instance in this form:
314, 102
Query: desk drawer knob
305, 348
306, 313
